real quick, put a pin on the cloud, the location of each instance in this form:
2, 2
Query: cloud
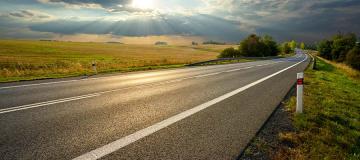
230, 20
196, 25
109, 5
32, 15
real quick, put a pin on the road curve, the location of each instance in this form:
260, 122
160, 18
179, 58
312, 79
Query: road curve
208, 112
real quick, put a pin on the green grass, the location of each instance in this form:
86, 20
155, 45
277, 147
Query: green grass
329, 127
28, 60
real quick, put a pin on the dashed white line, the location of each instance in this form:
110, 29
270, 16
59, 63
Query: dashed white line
207, 75
233, 70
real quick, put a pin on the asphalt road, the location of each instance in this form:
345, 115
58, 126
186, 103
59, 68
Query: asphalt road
208, 112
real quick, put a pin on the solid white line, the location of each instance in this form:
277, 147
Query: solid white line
122, 142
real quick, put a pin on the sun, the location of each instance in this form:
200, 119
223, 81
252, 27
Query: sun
143, 4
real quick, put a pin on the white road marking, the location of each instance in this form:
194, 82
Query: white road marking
233, 70
35, 105
41, 104
122, 142
207, 75
57, 82
48, 83
66, 81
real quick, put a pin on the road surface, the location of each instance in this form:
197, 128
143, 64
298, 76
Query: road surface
207, 112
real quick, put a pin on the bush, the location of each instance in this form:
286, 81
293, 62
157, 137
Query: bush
271, 46
353, 58
285, 48
293, 45
255, 46
214, 42
325, 48
229, 53
337, 48
302, 45
342, 44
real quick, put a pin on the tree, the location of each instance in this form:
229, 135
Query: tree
252, 46
353, 57
285, 48
293, 45
271, 46
325, 49
256, 46
229, 53
302, 45
342, 44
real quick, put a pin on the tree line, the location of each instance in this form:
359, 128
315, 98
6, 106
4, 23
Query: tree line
257, 46
341, 48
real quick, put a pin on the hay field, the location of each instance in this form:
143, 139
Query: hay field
27, 60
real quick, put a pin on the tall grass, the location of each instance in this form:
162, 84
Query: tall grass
330, 125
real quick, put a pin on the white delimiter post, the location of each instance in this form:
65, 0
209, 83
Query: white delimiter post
94, 67
300, 90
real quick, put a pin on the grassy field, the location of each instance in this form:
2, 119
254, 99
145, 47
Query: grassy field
330, 125
27, 60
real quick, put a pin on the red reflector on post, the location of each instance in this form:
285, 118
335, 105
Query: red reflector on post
300, 81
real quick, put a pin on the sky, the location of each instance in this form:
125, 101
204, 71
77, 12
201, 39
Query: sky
136, 21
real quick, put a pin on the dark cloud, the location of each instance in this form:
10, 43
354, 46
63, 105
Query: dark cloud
110, 5
17, 14
337, 4
30, 14
230, 20
303, 20
199, 25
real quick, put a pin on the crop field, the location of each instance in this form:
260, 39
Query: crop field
27, 60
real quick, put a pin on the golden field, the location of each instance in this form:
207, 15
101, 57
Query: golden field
26, 59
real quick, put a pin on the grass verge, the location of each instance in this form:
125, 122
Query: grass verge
329, 127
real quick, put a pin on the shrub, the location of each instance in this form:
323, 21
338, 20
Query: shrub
271, 46
229, 53
293, 45
353, 58
302, 45
214, 42
342, 44
285, 48
325, 48
255, 46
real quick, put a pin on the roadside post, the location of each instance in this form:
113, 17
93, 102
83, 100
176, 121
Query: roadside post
299, 92
94, 67
314, 64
